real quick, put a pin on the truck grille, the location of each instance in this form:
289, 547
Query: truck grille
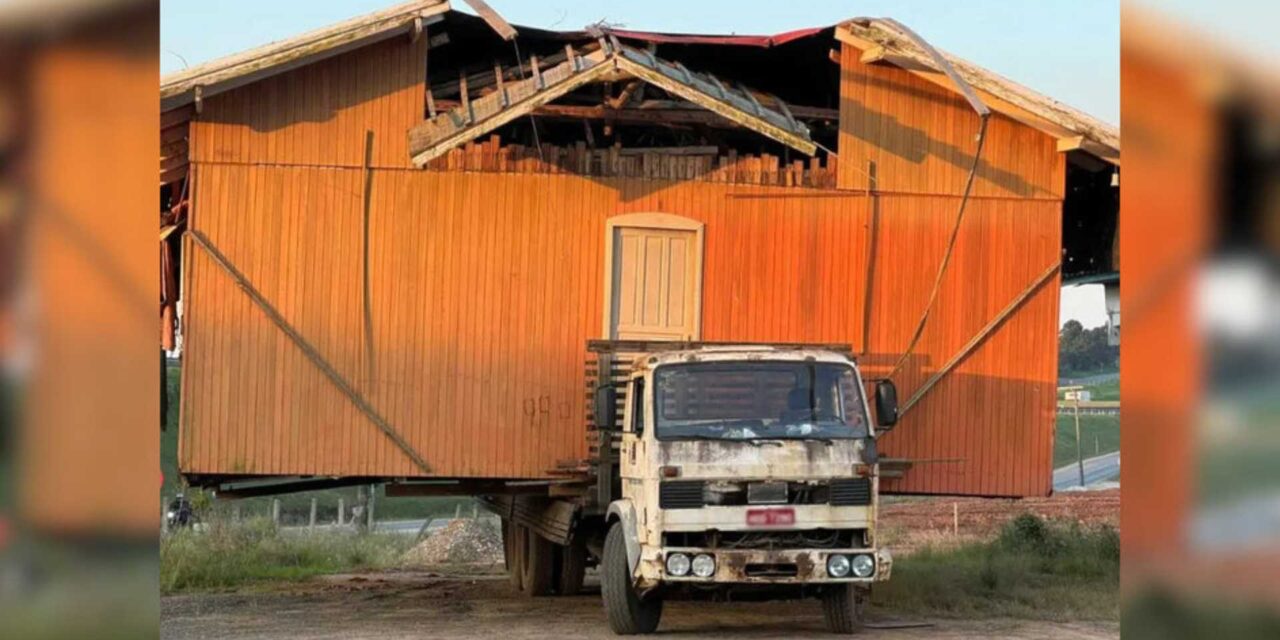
680, 495
850, 492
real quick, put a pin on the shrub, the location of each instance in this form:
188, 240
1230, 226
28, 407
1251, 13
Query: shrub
1033, 569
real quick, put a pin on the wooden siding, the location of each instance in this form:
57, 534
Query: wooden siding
319, 114
486, 287
487, 284
921, 139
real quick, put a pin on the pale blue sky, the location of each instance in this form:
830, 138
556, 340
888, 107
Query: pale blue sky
1067, 49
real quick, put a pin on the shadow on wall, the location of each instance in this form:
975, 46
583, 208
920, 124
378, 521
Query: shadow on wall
318, 91
887, 133
974, 434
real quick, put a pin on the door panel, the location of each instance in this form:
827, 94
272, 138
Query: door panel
654, 281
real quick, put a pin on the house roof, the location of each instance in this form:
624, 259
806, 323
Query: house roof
180, 88
474, 118
882, 41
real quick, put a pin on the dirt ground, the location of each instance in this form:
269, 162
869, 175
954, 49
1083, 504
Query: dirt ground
478, 602
418, 604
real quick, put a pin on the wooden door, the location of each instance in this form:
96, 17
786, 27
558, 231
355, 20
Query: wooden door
655, 283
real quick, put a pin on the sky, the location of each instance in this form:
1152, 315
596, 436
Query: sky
1066, 49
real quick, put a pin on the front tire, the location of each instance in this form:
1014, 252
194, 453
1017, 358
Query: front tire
628, 614
844, 606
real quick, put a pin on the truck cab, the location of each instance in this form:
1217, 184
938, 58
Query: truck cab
745, 472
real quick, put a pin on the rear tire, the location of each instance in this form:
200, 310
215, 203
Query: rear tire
513, 547
628, 614
843, 607
538, 555
571, 568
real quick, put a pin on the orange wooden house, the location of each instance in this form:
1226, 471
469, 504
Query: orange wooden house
400, 232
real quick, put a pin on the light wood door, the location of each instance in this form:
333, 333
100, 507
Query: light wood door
655, 284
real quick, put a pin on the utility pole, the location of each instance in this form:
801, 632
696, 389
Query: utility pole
358, 515
1079, 451
1074, 394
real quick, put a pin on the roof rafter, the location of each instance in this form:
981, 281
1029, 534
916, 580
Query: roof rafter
613, 61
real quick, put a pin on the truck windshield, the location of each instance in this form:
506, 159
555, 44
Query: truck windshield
758, 400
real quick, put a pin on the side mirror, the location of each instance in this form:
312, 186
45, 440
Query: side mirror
886, 404
606, 407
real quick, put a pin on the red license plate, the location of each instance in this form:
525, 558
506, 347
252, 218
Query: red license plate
771, 517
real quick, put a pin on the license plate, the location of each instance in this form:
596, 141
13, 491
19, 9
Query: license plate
771, 517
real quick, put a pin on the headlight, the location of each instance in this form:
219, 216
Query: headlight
863, 566
838, 566
704, 566
678, 564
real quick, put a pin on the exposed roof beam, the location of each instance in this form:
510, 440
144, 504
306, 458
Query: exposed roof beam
439, 135
482, 9
768, 123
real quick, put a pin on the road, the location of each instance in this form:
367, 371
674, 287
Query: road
1088, 380
421, 604
1097, 469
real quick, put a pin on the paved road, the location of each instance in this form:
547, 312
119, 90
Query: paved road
1097, 469
1088, 380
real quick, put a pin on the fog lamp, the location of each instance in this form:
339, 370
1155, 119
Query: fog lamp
864, 565
678, 564
704, 566
838, 566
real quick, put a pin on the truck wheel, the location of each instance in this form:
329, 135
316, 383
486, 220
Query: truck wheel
513, 551
843, 607
627, 613
537, 563
571, 568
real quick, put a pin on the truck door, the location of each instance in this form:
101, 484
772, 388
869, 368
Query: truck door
632, 451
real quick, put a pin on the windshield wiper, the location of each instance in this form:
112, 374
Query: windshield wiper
762, 442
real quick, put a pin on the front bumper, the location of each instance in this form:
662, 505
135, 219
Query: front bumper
758, 566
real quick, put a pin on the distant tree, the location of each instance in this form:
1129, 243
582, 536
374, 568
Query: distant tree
1081, 349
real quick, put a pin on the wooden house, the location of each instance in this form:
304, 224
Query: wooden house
398, 234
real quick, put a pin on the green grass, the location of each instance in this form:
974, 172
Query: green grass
1098, 434
295, 508
234, 555
1035, 569
1109, 391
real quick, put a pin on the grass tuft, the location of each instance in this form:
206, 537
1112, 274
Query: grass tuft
1033, 569
231, 555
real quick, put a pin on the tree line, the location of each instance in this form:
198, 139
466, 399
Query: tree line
1084, 350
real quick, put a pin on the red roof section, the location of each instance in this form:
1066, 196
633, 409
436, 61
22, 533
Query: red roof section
748, 41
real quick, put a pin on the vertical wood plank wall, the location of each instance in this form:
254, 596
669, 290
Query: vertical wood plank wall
485, 287
987, 427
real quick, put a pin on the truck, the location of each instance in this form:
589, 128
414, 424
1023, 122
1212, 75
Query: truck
743, 471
